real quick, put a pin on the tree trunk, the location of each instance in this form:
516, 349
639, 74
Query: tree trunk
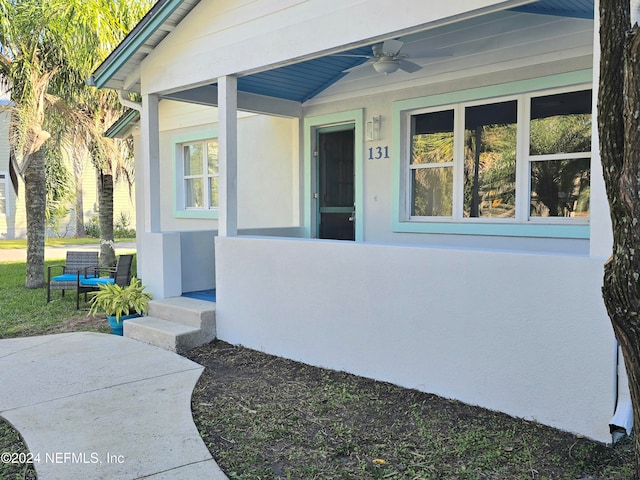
78, 173
36, 202
618, 125
80, 231
105, 202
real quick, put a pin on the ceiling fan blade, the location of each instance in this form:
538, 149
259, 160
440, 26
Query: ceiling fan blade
391, 47
368, 63
408, 66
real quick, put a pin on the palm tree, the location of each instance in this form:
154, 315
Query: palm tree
26, 61
111, 158
47, 49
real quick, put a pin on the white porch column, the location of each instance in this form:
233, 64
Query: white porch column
600, 220
159, 260
139, 189
228, 156
150, 130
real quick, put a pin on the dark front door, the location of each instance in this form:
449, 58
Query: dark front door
336, 212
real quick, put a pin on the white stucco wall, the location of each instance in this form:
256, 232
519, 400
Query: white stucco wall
524, 334
377, 174
480, 64
267, 166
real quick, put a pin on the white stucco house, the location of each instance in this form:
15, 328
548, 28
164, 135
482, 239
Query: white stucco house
409, 191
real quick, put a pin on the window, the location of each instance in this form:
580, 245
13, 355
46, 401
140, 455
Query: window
559, 151
198, 167
523, 159
490, 160
431, 164
3, 194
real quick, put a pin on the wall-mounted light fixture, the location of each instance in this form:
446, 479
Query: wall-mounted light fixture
373, 128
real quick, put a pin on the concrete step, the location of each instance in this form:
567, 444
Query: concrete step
174, 336
190, 311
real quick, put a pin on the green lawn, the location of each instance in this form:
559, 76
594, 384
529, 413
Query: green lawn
25, 312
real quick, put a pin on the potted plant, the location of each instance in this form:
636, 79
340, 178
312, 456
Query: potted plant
120, 303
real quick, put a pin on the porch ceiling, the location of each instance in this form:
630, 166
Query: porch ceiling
297, 82
566, 8
303, 81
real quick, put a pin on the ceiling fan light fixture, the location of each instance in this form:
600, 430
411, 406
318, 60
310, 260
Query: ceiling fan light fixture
386, 65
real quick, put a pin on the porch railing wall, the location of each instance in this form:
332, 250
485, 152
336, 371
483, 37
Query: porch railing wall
526, 334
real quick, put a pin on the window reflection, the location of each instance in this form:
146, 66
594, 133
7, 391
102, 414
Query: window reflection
431, 164
490, 160
560, 127
432, 192
560, 188
193, 160
194, 197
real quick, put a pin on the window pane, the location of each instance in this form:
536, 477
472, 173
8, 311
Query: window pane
560, 188
192, 159
432, 138
212, 156
432, 192
561, 123
213, 191
194, 193
490, 160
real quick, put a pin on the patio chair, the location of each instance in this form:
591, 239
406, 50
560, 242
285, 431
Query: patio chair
95, 276
75, 264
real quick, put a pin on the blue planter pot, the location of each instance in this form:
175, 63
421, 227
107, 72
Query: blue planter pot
116, 327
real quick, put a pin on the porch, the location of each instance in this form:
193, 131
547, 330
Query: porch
504, 313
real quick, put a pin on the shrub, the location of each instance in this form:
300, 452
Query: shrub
92, 228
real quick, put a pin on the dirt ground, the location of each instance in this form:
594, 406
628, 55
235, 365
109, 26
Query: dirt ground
265, 417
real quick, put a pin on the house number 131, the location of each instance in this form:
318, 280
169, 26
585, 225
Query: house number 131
376, 153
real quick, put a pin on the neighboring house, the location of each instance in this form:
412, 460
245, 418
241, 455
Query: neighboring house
13, 217
11, 208
443, 228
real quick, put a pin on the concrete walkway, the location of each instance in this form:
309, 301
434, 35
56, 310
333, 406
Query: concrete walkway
96, 406
52, 253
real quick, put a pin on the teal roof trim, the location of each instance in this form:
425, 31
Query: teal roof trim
132, 42
121, 125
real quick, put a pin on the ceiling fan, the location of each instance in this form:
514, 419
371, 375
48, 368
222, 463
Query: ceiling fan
386, 58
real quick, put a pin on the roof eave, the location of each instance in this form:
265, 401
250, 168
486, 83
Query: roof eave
158, 14
122, 125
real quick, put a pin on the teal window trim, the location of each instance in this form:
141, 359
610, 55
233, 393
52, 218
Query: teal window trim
311, 125
176, 142
528, 229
